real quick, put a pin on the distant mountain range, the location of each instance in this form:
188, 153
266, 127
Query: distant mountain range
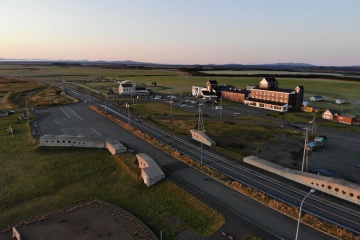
130, 62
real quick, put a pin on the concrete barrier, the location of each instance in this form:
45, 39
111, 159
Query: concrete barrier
336, 187
113, 146
150, 171
16, 234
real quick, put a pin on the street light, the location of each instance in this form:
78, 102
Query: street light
128, 107
306, 153
171, 102
298, 223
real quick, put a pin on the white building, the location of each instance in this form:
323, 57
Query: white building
340, 101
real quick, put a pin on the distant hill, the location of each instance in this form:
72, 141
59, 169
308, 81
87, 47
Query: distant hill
270, 66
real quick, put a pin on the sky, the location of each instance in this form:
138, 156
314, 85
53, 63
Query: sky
319, 32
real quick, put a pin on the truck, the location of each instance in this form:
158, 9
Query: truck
317, 143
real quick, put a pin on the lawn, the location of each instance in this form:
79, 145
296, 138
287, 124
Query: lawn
35, 181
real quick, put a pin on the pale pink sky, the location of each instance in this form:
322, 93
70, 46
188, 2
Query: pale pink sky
321, 32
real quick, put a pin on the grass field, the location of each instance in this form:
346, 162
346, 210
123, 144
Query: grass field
275, 73
36, 181
176, 82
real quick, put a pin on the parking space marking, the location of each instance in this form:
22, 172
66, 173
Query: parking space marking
71, 117
88, 132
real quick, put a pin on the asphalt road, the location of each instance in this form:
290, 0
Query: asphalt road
243, 215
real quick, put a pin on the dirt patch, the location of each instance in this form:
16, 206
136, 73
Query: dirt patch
284, 150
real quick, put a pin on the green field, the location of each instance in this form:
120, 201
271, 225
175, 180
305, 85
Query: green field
176, 82
275, 73
34, 182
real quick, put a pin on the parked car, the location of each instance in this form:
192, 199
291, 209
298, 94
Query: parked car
183, 105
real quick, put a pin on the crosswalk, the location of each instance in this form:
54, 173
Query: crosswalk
80, 132
71, 117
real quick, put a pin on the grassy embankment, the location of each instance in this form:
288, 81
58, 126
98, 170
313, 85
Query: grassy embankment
36, 181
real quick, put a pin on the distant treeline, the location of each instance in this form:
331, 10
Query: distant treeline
319, 76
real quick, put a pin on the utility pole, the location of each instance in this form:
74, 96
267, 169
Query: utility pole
201, 128
313, 129
306, 152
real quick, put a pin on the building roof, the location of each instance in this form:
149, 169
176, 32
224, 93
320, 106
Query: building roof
347, 115
332, 111
213, 82
270, 79
126, 85
243, 91
286, 90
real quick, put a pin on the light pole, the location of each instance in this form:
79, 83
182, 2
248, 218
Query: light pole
221, 106
171, 102
128, 107
298, 223
201, 154
306, 153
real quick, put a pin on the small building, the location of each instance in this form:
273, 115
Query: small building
340, 101
316, 98
197, 91
346, 118
141, 91
126, 89
235, 95
310, 109
329, 114
150, 171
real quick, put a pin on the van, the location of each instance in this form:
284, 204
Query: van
218, 107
